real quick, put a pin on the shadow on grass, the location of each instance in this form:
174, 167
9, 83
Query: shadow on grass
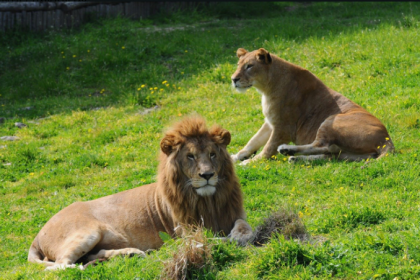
122, 62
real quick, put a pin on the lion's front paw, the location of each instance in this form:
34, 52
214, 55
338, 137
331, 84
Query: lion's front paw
241, 233
286, 150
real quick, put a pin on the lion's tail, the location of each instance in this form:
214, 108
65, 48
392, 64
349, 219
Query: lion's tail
389, 148
36, 256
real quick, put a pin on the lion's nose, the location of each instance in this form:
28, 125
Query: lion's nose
206, 175
234, 80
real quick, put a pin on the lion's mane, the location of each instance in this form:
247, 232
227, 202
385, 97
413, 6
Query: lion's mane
217, 212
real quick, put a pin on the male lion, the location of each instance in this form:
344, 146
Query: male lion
196, 184
299, 108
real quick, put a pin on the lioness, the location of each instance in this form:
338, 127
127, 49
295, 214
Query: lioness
299, 108
196, 184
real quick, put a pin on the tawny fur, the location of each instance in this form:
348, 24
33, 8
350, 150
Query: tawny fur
299, 108
129, 222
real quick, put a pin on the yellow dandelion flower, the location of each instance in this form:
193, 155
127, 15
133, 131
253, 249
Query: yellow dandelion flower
64, 57
300, 214
161, 89
179, 87
386, 138
74, 55
152, 92
32, 174
361, 184
138, 88
182, 73
186, 51
155, 88
122, 47
88, 50
415, 155
167, 85
379, 147
284, 159
142, 86
151, 88
80, 60
386, 155
383, 146
68, 68
164, 82
62, 52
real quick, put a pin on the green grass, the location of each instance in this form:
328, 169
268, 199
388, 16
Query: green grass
88, 136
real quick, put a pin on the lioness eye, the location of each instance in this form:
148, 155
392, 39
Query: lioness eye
249, 66
190, 156
212, 155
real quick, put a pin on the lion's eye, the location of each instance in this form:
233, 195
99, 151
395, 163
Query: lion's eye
249, 66
212, 155
190, 156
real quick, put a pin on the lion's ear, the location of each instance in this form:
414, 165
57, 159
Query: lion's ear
241, 52
220, 136
264, 56
167, 145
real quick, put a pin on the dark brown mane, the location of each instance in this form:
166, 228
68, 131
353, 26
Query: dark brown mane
219, 211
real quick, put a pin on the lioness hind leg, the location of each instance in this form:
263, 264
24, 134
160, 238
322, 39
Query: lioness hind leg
294, 159
106, 254
309, 149
341, 156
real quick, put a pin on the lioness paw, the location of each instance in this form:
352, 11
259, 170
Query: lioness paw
245, 162
235, 158
287, 150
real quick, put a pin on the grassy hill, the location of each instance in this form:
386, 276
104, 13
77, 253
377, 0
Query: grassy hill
89, 97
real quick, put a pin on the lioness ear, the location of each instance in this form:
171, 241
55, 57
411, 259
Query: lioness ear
240, 52
220, 136
166, 145
264, 56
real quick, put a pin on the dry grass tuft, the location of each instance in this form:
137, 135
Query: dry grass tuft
285, 222
193, 254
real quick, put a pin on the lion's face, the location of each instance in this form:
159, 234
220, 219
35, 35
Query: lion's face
200, 163
197, 156
252, 69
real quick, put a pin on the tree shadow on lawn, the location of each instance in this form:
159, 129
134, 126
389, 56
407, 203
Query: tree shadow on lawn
95, 67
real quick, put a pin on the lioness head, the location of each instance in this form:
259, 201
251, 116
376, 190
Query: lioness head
195, 156
252, 69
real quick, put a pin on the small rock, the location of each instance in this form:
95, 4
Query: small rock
7, 164
149, 110
9, 138
26, 108
20, 125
